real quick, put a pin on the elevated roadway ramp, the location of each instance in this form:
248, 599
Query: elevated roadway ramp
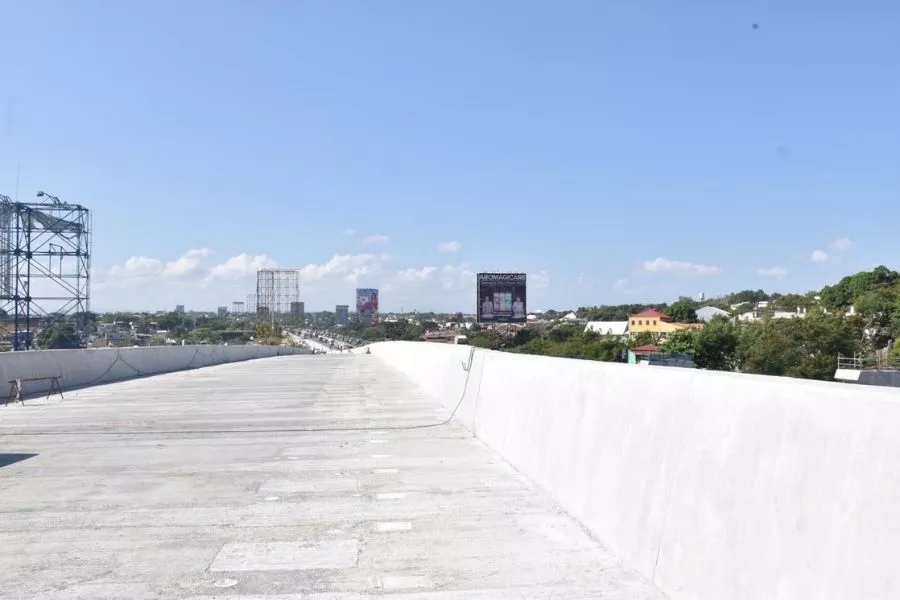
302, 477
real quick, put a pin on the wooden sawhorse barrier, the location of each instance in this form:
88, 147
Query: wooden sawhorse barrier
15, 388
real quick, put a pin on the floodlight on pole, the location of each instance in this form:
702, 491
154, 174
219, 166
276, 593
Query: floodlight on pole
51, 196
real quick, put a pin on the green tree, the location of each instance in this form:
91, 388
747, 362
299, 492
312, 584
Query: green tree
525, 335
682, 311
680, 342
59, 336
411, 332
537, 345
766, 348
894, 355
847, 290
370, 333
266, 334
485, 339
715, 345
895, 320
641, 339
561, 333
879, 311
751, 296
176, 324
619, 312
609, 349
586, 346
792, 302
86, 321
800, 347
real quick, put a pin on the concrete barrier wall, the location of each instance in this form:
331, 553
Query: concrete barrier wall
714, 485
102, 365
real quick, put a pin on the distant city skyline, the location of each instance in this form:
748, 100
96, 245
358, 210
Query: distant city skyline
430, 277
615, 152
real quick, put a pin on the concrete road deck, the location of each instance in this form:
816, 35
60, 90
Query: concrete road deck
255, 481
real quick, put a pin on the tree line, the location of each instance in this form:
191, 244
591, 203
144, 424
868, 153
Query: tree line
805, 347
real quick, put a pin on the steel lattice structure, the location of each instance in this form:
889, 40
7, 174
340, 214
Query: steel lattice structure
276, 289
45, 266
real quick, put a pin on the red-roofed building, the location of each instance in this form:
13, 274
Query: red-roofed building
652, 314
657, 324
645, 349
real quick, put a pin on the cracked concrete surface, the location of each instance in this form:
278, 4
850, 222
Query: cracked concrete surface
277, 479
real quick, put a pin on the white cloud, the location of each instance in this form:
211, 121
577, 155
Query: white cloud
678, 267
539, 280
458, 277
187, 264
620, 285
200, 282
137, 267
818, 256
452, 246
128, 285
412, 275
141, 269
777, 272
375, 239
344, 267
841, 244
241, 266
349, 232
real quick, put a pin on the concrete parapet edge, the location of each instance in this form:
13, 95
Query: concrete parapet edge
80, 368
713, 485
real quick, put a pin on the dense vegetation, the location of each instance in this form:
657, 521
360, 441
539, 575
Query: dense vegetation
796, 347
401, 329
159, 329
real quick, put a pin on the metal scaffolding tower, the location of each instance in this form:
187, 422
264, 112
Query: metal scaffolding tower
276, 289
45, 266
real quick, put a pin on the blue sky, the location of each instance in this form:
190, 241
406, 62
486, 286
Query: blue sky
616, 151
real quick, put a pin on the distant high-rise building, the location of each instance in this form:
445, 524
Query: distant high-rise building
298, 310
237, 308
222, 311
367, 305
341, 314
179, 308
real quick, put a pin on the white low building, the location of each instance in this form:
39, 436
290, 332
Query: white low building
708, 313
615, 328
759, 315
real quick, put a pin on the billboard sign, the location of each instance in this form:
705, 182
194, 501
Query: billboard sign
366, 305
501, 298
